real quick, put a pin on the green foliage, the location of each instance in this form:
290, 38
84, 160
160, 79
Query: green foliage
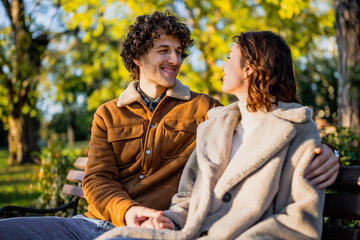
347, 142
82, 124
317, 85
95, 51
56, 160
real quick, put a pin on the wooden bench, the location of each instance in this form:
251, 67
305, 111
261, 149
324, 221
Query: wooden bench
342, 205
73, 190
75, 176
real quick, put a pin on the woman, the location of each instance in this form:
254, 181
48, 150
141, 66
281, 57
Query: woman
245, 178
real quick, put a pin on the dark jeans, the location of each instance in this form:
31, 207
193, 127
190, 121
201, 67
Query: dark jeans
36, 228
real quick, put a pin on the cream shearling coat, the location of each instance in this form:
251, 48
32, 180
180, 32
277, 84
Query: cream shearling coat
260, 194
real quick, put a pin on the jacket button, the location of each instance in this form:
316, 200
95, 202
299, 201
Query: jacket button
204, 233
152, 125
141, 176
227, 197
147, 152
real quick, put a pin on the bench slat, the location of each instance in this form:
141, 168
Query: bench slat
73, 190
335, 232
75, 175
342, 205
80, 162
348, 179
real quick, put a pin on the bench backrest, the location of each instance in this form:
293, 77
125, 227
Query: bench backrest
342, 203
76, 176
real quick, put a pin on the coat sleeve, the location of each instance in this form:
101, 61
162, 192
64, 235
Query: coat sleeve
298, 204
105, 195
180, 202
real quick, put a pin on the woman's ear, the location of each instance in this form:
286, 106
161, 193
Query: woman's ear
137, 62
248, 71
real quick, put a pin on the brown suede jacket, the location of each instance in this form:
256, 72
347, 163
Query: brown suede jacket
136, 157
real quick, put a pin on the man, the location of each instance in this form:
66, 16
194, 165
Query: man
141, 141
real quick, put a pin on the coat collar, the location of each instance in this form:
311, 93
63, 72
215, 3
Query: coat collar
130, 94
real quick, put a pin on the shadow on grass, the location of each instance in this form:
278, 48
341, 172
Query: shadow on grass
16, 182
18, 172
8, 198
22, 169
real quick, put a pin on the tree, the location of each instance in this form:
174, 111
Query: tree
213, 24
20, 64
23, 46
347, 27
90, 65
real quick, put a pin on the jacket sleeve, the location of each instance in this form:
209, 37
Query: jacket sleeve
105, 195
180, 202
298, 205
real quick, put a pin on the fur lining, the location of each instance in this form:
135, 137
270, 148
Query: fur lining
130, 94
179, 91
293, 112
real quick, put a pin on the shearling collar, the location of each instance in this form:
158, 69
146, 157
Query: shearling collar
292, 112
130, 94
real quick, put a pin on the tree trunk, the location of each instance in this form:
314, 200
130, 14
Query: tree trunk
22, 139
14, 139
71, 128
347, 27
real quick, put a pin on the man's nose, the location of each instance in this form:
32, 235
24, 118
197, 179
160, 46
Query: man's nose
175, 58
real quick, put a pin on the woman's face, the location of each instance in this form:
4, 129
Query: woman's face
235, 78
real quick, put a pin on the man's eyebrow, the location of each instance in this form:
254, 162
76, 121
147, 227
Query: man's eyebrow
166, 46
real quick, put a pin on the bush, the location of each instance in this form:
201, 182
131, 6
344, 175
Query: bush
56, 160
347, 143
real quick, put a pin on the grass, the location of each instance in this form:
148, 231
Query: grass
15, 183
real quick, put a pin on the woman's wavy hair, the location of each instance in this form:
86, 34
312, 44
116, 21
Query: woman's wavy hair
268, 55
146, 29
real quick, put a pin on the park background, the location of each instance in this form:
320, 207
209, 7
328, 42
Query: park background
59, 60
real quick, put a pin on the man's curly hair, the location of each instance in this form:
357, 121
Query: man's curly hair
268, 55
146, 29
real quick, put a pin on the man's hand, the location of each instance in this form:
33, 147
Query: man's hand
324, 169
136, 215
158, 222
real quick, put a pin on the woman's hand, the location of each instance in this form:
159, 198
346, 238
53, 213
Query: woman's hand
137, 215
324, 169
159, 222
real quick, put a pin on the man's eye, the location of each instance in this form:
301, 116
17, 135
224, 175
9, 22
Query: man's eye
163, 51
178, 53
228, 57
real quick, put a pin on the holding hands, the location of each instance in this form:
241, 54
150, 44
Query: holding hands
145, 217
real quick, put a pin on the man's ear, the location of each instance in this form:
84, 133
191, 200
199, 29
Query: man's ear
137, 62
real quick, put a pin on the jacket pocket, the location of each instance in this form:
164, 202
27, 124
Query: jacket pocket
125, 132
126, 142
178, 137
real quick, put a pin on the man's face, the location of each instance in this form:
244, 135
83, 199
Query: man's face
160, 66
